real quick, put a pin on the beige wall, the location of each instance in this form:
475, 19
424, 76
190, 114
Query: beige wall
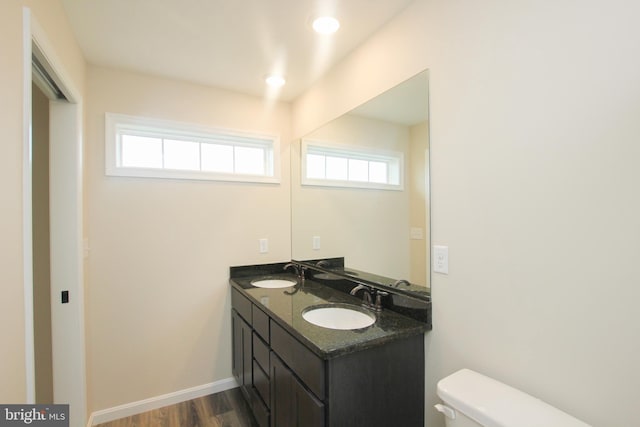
534, 128
158, 305
419, 202
12, 364
53, 22
370, 228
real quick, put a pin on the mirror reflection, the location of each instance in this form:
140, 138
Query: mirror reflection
360, 190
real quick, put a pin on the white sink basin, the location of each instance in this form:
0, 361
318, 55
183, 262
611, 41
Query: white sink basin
338, 317
273, 283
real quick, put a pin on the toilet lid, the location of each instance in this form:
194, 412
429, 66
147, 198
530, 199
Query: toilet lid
494, 404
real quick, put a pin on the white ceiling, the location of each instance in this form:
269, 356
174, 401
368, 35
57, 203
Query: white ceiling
231, 44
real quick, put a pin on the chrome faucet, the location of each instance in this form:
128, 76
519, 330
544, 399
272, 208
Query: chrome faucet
295, 267
366, 294
298, 269
397, 283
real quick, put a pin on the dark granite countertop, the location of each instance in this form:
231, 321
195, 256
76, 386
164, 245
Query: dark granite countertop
286, 305
336, 266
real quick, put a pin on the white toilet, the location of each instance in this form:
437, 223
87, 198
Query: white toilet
473, 400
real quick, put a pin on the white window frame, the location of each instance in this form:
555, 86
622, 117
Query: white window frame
394, 160
118, 124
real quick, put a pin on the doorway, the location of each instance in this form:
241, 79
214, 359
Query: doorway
67, 381
41, 245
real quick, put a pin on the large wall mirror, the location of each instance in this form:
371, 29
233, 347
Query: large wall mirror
360, 189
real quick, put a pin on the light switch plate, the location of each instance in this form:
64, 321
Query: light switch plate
416, 233
316, 243
264, 246
441, 259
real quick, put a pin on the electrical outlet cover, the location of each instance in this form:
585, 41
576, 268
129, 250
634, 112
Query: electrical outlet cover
441, 259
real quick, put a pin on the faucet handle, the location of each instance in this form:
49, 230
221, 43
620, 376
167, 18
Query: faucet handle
379, 296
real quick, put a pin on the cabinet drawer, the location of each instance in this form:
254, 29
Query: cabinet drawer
241, 304
306, 365
261, 382
261, 323
260, 352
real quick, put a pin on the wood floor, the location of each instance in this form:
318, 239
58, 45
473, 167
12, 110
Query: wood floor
224, 409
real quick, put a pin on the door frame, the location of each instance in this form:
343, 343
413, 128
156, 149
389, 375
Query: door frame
66, 206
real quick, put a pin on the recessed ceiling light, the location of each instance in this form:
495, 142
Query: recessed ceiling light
275, 80
326, 25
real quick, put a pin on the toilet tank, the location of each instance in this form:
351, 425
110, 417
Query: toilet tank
472, 399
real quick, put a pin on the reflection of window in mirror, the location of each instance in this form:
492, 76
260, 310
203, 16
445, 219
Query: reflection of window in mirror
327, 165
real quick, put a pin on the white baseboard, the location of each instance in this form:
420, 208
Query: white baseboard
133, 408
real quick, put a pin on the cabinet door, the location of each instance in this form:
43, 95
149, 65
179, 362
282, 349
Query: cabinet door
236, 337
241, 366
282, 394
292, 405
309, 410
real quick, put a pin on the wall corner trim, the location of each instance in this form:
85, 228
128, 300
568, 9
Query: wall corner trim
133, 408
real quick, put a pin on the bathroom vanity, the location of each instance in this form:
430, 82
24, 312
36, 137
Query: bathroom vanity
295, 373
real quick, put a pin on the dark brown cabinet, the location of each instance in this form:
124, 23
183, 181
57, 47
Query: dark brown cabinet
241, 366
292, 405
249, 365
288, 385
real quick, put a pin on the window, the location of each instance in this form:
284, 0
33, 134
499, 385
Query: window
359, 167
142, 147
